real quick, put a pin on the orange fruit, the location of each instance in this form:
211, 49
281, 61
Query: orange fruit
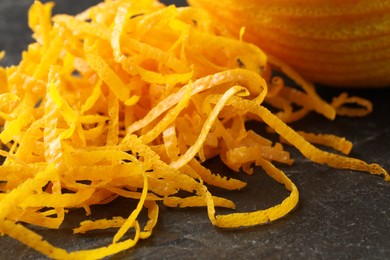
335, 43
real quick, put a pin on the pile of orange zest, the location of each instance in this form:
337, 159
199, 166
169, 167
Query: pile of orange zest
128, 99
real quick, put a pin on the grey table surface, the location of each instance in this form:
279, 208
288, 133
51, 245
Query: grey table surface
341, 214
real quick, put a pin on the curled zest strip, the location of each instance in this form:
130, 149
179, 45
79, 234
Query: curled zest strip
307, 149
365, 106
190, 153
266, 215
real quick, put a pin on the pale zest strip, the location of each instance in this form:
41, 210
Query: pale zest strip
128, 99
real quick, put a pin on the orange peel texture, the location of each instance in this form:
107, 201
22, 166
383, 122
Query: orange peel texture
333, 43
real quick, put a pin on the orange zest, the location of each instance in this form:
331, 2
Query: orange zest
128, 99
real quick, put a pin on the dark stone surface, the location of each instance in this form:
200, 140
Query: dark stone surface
341, 214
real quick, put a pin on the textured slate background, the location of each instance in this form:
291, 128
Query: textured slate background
341, 214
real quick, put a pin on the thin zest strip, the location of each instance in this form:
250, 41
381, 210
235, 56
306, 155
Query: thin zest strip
263, 216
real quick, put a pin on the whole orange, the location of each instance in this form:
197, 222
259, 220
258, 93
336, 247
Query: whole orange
332, 42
